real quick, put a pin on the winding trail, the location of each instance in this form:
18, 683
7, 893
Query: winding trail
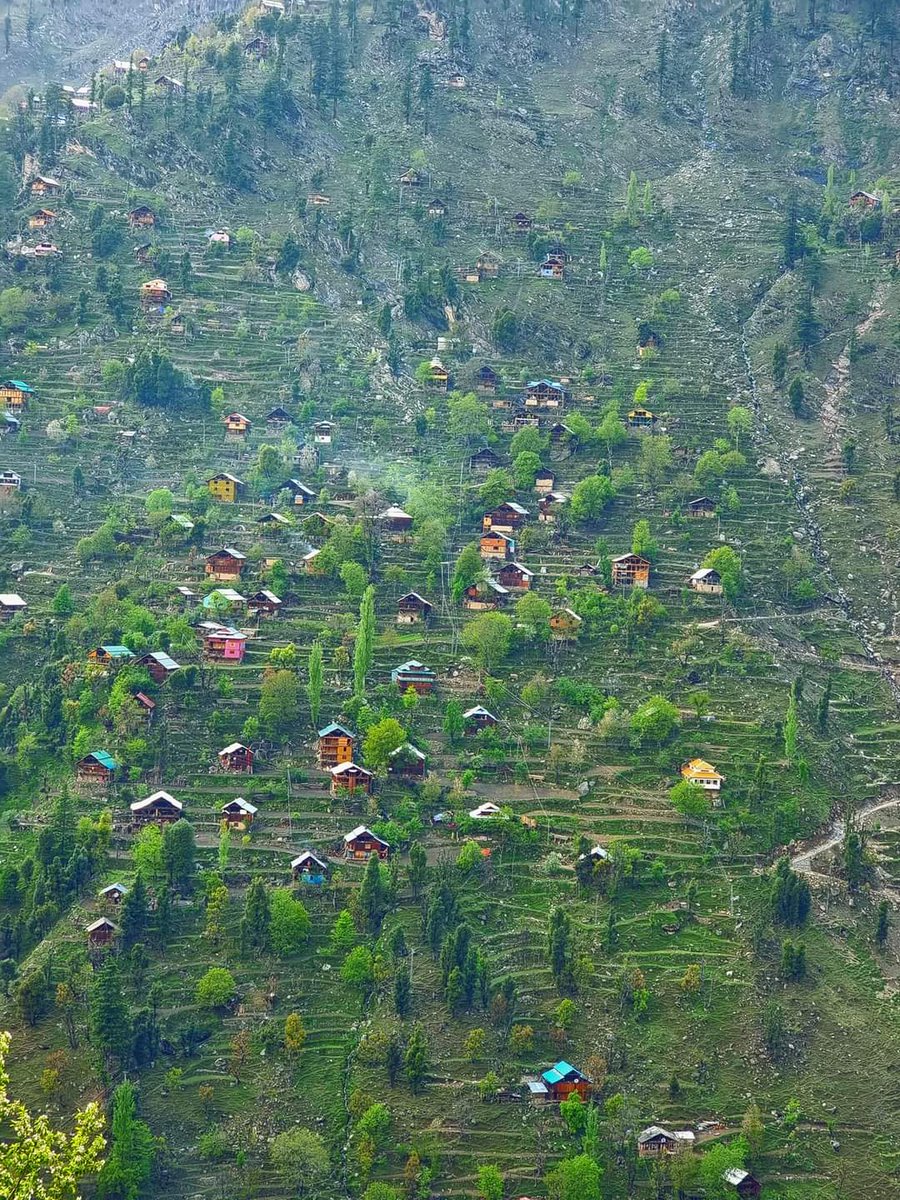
833, 834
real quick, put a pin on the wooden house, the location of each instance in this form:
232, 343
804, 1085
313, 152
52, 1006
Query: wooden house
113, 893
415, 675
484, 460
302, 494
96, 767
309, 563
265, 603
565, 625
641, 418
323, 432
225, 487
11, 604
703, 775
187, 596
109, 656
562, 1079
225, 564
655, 1141
236, 425
273, 523
278, 419
544, 481
406, 762
630, 570
545, 393
550, 507
707, 581
865, 200
224, 598
238, 812
487, 811
309, 868
741, 1183
236, 758
413, 609
552, 267
158, 809
703, 506
10, 482
437, 210
45, 185
515, 576
487, 265
485, 595
166, 83
438, 376
394, 520
486, 380
478, 718
361, 842
9, 424
148, 706
101, 933
142, 217
15, 394
412, 178
521, 222
220, 237
335, 745
221, 641
560, 433
496, 545
159, 664
505, 518
45, 250
154, 293
456, 82
42, 218
350, 777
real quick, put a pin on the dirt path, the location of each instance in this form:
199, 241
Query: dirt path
837, 382
833, 834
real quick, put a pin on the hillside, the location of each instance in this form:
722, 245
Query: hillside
328, 290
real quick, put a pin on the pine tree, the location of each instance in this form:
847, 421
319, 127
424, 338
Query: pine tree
426, 92
631, 198
134, 912
882, 923
110, 1021
364, 647
402, 991
127, 1169
791, 243
372, 900
255, 922
314, 683
179, 854
415, 1060
164, 915
662, 61
823, 706
337, 75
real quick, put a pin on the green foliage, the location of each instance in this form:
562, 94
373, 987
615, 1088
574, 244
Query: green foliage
655, 720
215, 988
289, 922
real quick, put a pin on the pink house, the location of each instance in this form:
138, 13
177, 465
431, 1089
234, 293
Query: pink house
221, 641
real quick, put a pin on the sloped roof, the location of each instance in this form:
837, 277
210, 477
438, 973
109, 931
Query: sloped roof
160, 796
334, 728
101, 923
160, 657
363, 830
306, 856
235, 746
408, 749
344, 768
103, 758
242, 804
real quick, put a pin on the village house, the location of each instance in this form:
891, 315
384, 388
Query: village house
703, 775
226, 564
237, 758
147, 705
100, 933
159, 664
412, 178
220, 237
224, 599
596, 854
413, 609
485, 812
10, 483
221, 641
553, 267
437, 375
487, 265
361, 842
394, 520
41, 219
9, 424
11, 604
707, 581
562, 1079
155, 293
264, 603
44, 250
225, 487
302, 494
515, 576
456, 82
14, 393
308, 563
413, 674
741, 1183
630, 570
142, 217
496, 545
486, 379
110, 655
544, 393
113, 893
308, 868
142, 253
180, 521
406, 762
550, 507
318, 200
158, 809
865, 200
238, 813
703, 506
187, 596
505, 518
544, 481
520, 222
273, 523
278, 419
335, 745
437, 210
485, 595
350, 777
484, 460
236, 425
641, 418
565, 625
323, 432
478, 718
560, 433
45, 185
654, 1141
167, 84
96, 767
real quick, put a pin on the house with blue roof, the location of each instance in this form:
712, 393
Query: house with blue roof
96, 767
110, 655
335, 745
14, 393
545, 393
562, 1079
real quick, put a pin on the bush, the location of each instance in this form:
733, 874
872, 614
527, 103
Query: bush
215, 989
